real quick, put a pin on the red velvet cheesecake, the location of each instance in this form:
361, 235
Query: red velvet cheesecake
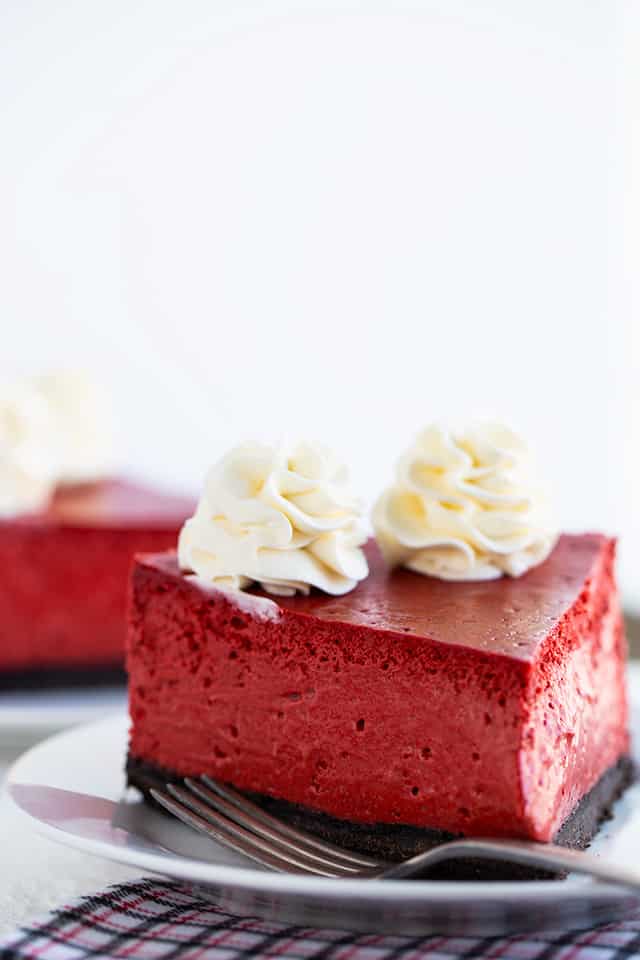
63, 579
402, 713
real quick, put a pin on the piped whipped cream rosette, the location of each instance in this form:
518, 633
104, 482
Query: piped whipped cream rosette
465, 505
27, 452
80, 423
282, 516
54, 430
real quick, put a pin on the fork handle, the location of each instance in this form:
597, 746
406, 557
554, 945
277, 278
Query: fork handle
546, 856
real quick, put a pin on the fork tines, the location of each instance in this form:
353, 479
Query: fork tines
230, 818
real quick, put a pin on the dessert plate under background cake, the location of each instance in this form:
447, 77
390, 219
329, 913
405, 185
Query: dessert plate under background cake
27, 716
89, 760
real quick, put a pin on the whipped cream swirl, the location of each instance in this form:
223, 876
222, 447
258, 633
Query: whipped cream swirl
465, 506
27, 451
80, 425
282, 516
54, 430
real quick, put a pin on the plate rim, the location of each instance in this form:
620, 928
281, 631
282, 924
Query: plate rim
250, 879
48, 712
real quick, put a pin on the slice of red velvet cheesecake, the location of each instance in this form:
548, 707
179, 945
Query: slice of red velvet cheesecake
63, 579
406, 711
468, 682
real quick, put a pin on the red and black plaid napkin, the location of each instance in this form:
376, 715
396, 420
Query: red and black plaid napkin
155, 920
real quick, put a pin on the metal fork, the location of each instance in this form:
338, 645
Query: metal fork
227, 816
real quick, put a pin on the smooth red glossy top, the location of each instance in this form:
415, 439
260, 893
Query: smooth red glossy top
507, 616
115, 503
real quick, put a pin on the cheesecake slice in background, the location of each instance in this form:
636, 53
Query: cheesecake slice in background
63, 580
69, 526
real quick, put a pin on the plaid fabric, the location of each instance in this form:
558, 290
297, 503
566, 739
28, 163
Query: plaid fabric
155, 920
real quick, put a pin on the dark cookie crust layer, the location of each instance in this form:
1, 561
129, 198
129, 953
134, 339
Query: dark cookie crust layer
400, 841
53, 678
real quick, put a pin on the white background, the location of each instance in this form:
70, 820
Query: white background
336, 219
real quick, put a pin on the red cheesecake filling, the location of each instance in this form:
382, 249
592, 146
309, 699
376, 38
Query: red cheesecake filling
478, 708
64, 572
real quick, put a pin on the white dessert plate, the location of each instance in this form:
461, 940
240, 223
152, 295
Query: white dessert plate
27, 716
50, 784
